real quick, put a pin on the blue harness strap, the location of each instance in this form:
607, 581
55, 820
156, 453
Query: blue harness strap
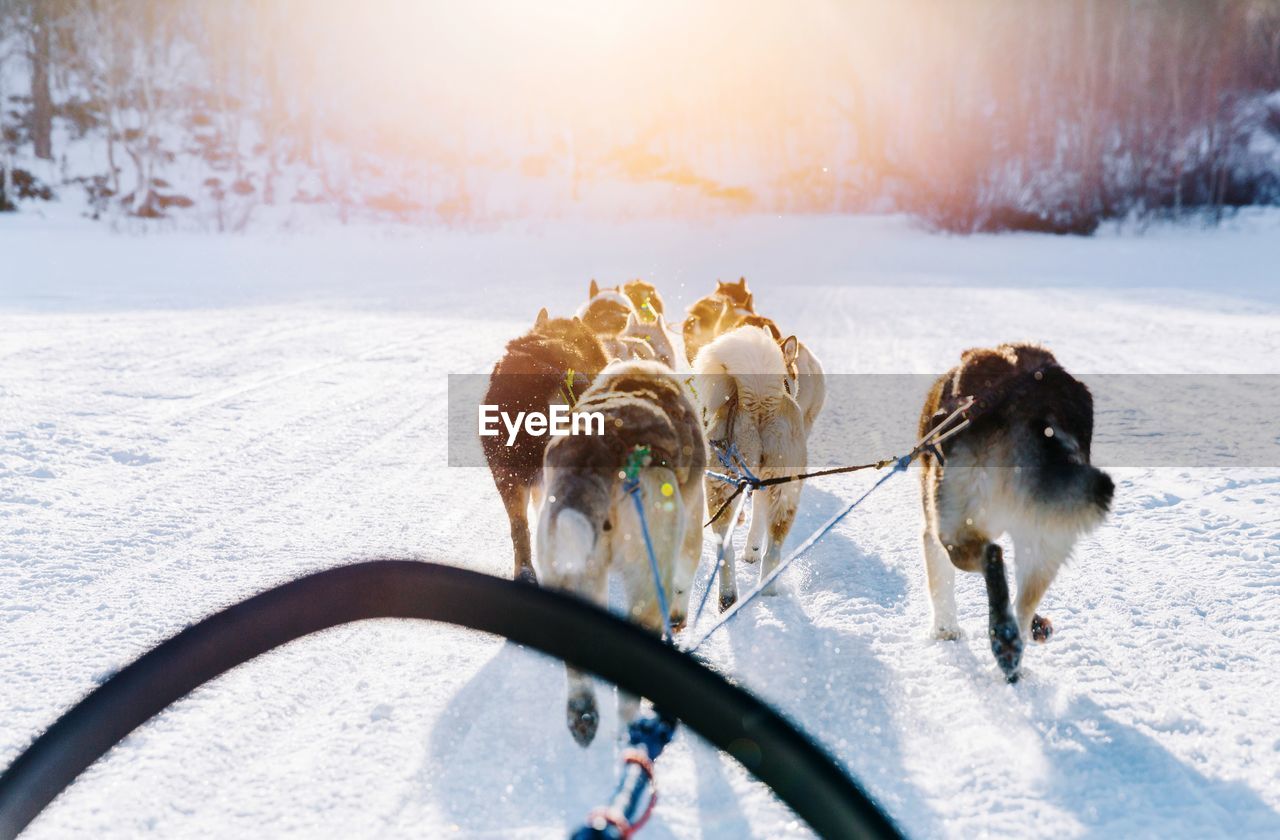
632, 488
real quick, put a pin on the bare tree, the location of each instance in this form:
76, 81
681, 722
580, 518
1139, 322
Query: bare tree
41, 100
130, 53
8, 50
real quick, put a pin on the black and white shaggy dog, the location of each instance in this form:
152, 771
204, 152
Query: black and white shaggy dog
1021, 468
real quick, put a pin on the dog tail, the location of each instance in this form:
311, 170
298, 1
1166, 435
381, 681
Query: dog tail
1078, 496
1096, 489
740, 369
571, 542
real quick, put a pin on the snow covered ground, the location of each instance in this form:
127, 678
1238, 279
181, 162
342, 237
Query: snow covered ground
187, 420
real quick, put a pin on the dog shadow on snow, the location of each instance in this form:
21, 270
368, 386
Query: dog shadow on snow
1116, 779
500, 756
823, 676
500, 761
1120, 781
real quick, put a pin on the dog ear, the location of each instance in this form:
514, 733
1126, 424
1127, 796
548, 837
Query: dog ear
790, 349
633, 323
661, 322
593, 290
542, 318
742, 283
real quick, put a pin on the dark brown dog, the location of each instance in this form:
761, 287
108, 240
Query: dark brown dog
532, 374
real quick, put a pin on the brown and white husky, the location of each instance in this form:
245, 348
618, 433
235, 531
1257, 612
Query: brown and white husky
748, 385
629, 321
723, 310
589, 528
644, 297
731, 306
663, 345
1021, 468
606, 309
531, 375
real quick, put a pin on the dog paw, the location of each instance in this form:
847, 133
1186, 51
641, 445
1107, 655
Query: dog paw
526, 575
752, 555
1041, 629
1006, 644
946, 633
677, 621
727, 600
583, 719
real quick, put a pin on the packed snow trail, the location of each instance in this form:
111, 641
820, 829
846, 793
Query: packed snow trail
189, 420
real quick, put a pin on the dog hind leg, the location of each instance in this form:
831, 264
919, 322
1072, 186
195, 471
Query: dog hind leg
581, 712
942, 588
728, 581
1006, 643
515, 498
1037, 562
783, 500
690, 555
758, 535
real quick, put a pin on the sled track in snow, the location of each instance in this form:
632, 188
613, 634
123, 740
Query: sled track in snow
800, 772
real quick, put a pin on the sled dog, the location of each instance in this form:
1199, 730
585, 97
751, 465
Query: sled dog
731, 306
532, 374
644, 298
588, 526
748, 385
1022, 468
605, 311
716, 314
665, 346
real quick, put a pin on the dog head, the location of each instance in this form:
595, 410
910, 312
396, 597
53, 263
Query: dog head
605, 311
736, 293
571, 332
657, 336
708, 317
644, 298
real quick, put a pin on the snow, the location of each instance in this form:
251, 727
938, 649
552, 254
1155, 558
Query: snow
190, 419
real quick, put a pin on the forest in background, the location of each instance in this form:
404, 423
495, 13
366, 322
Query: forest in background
971, 114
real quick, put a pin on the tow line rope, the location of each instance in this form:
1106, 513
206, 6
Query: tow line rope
952, 424
743, 479
636, 794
